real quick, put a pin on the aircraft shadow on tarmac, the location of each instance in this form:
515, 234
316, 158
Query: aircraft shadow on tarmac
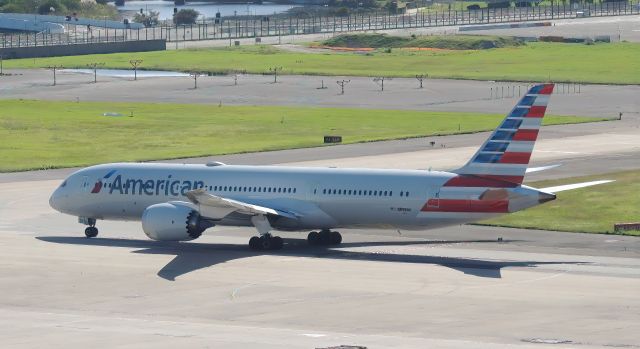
191, 256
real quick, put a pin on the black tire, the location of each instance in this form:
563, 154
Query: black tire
313, 238
276, 243
266, 242
255, 243
325, 237
91, 232
336, 238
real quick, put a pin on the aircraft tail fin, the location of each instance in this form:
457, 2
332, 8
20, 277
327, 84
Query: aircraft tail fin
505, 155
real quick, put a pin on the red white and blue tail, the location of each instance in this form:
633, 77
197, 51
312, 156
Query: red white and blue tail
504, 157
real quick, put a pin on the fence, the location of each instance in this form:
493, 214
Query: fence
261, 26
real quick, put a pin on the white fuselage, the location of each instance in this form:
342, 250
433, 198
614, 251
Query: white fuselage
321, 197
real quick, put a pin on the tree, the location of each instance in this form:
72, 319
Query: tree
185, 16
149, 19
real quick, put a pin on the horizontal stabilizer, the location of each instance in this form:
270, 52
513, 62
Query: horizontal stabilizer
542, 168
574, 186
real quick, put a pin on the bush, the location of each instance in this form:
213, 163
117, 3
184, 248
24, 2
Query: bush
149, 20
473, 7
185, 16
46, 7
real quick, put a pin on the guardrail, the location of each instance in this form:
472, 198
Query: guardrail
262, 26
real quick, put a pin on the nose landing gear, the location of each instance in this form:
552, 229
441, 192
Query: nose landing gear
91, 231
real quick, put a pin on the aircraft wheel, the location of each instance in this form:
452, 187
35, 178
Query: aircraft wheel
325, 237
335, 237
255, 243
276, 243
313, 238
91, 232
266, 242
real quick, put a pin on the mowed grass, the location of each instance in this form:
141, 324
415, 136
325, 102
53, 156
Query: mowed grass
47, 134
615, 63
590, 210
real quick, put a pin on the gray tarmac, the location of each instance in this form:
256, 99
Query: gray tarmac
361, 92
458, 287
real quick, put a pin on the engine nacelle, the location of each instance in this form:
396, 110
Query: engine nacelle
172, 221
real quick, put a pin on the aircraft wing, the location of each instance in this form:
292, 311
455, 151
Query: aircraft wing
574, 186
217, 207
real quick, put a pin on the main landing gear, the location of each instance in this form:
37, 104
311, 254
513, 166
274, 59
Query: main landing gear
265, 241
324, 237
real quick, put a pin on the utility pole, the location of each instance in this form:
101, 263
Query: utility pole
342, 83
1, 70
95, 66
135, 63
421, 77
195, 76
380, 81
54, 68
274, 71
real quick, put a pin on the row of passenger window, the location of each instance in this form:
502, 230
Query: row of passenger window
242, 189
361, 192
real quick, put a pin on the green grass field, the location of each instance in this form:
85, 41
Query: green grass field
46, 134
615, 63
590, 210
453, 42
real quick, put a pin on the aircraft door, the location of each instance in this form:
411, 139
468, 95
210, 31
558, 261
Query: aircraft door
86, 186
434, 198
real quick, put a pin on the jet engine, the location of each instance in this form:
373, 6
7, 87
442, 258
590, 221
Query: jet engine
173, 221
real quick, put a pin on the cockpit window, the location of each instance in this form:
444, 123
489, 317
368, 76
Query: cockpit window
64, 184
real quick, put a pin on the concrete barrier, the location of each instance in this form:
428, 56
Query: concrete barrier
83, 49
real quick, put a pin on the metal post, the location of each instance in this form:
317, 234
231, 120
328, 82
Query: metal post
135, 63
95, 66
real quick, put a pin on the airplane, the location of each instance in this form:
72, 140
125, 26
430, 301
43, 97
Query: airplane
178, 202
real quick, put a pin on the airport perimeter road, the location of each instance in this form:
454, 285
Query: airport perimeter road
452, 288
361, 92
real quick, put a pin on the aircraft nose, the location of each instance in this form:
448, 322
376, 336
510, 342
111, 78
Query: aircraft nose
57, 199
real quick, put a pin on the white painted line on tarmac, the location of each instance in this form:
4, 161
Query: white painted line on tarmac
314, 335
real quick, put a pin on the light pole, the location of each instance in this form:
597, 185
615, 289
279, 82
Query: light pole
421, 77
341, 83
274, 71
1, 70
380, 81
54, 68
135, 63
195, 76
95, 66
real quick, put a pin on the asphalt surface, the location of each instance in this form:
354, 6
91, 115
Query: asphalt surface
458, 287
361, 92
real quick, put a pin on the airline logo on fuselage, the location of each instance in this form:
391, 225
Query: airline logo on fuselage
151, 187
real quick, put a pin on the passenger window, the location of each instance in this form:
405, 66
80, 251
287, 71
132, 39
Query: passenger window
406, 194
294, 190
